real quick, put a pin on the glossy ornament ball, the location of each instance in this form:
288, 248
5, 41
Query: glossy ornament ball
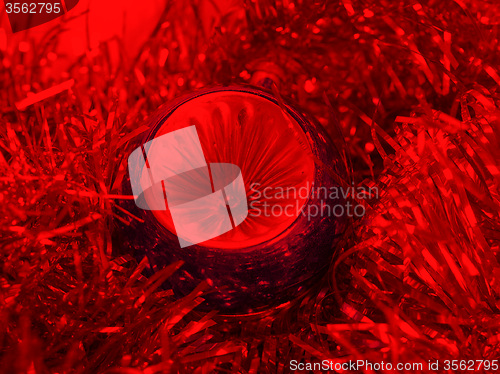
255, 237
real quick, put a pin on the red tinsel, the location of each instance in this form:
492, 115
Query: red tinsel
408, 91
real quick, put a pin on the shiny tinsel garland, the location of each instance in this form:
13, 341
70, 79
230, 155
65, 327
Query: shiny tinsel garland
408, 91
